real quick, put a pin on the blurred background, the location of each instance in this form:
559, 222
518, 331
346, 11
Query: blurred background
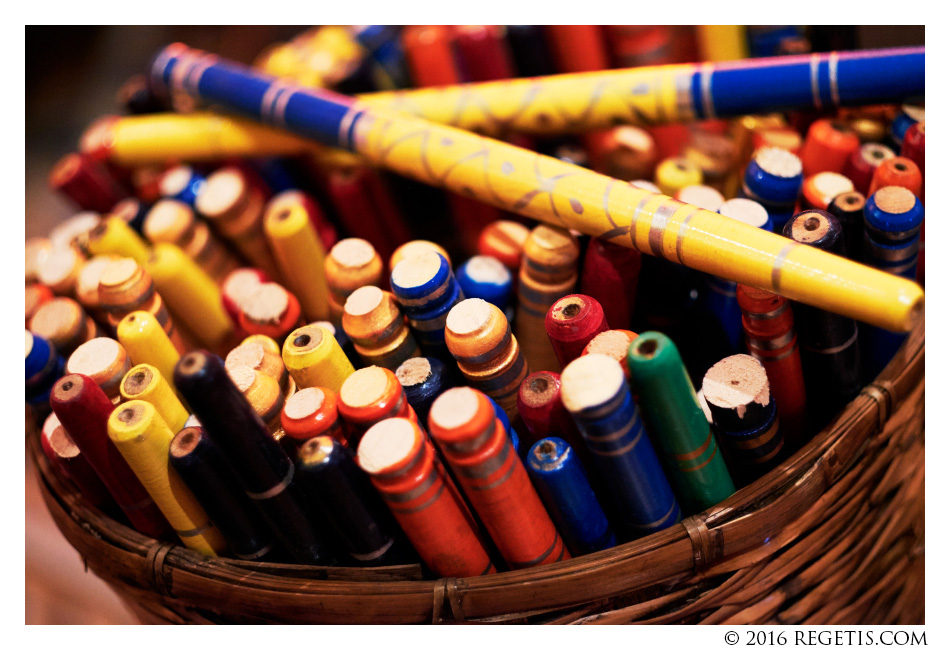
73, 75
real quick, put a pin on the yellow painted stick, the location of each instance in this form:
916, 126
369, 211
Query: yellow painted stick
191, 294
146, 383
299, 255
562, 194
132, 140
557, 104
143, 338
143, 438
314, 358
559, 193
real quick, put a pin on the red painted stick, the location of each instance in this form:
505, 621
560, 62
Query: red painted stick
84, 411
571, 323
610, 276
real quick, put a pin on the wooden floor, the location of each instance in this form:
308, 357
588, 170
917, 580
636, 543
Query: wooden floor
58, 589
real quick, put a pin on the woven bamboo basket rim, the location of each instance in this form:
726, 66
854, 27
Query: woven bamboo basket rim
727, 542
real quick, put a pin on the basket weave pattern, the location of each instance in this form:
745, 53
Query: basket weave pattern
832, 536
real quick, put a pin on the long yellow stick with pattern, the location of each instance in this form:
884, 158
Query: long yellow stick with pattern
558, 193
554, 105
572, 103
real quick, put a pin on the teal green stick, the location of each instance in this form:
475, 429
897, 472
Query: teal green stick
676, 423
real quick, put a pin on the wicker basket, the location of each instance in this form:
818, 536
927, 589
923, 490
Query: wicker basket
834, 535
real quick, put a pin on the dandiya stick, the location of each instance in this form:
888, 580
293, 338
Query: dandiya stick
819, 190
717, 157
476, 446
262, 353
571, 323
378, 328
264, 395
551, 105
677, 424
773, 179
237, 287
371, 395
504, 241
667, 94
314, 358
192, 295
614, 344
529, 50
484, 52
769, 327
87, 182
703, 196
830, 344
313, 412
343, 340
265, 471
183, 183
849, 210
565, 490
297, 250
426, 288
270, 310
524, 182
112, 236
864, 162
341, 497
599, 400
627, 153
60, 269
913, 149
578, 48
544, 416
174, 222
146, 383
351, 264
144, 438
423, 379
402, 465
87, 287
146, 342
204, 469
134, 140
736, 390
105, 361
486, 277
828, 146
124, 288
235, 207
325, 229
414, 248
893, 217
479, 337
900, 172
65, 324
364, 208
548, 272
84, 410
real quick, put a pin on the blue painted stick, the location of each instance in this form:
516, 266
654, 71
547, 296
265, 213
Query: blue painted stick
566, 492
